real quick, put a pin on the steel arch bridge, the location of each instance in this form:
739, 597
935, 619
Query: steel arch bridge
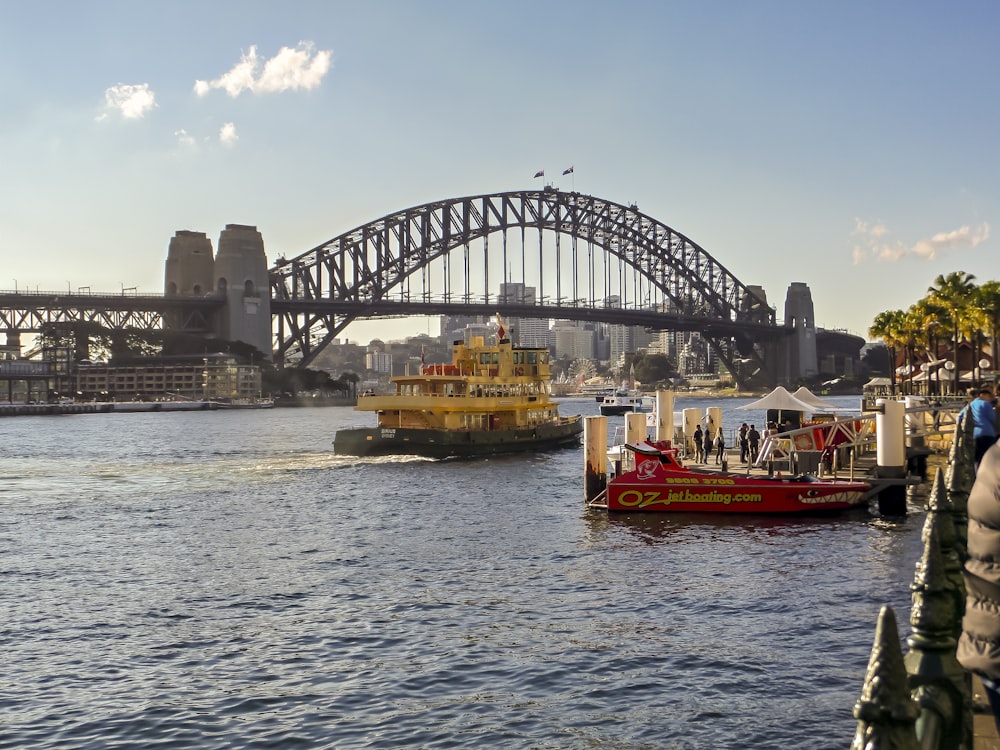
587, 258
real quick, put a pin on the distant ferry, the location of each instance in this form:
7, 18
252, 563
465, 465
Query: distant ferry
491, 399
624, 402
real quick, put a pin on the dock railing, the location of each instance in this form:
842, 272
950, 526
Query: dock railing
838, 438
923, 699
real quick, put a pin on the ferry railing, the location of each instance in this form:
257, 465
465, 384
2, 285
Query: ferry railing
923, 699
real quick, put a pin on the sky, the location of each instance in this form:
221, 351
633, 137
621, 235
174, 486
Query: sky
849, 145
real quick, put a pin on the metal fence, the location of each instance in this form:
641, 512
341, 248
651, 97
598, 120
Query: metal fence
923, 698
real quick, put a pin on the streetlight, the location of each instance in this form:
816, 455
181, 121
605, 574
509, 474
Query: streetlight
949, 366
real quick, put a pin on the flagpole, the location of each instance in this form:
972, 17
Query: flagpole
571, 171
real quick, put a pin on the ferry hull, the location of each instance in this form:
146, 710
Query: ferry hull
616, 410
383, 441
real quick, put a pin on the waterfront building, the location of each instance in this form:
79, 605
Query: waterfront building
202, 377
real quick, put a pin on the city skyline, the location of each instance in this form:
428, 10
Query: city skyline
847, 147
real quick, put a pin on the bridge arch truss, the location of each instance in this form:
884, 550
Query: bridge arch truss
587, 258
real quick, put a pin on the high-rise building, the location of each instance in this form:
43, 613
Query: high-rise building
572, 340
524, 331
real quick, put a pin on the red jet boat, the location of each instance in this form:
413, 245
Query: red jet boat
653, 480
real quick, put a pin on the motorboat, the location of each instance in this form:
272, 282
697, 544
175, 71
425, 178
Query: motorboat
624, 402
651, 478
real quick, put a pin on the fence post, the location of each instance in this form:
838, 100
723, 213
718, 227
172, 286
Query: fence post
885, 711
936, 680
959, 479
941, 516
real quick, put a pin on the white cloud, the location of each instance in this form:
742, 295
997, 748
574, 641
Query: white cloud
132, 100
873, 244
289, 70
227, 133
184, 138
963, 237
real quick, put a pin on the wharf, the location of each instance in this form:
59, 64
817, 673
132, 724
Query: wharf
102, 407
863, 469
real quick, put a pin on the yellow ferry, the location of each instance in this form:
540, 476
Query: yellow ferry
491, 399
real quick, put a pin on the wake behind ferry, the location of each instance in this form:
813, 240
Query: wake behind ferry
491, 399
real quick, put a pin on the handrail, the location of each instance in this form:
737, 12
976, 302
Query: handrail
921, 421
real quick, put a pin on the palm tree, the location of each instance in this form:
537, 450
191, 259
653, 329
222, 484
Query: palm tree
909, 332
954, 292
886, 326
988, 302
932, 320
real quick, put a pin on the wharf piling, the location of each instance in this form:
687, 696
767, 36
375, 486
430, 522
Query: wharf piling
595, 449
664, 415
891, 455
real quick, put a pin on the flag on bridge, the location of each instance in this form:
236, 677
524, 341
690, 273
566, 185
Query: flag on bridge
568, 171
540, 173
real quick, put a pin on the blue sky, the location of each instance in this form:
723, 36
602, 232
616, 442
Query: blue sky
848, 145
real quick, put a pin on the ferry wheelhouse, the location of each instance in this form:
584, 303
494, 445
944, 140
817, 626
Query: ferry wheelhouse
491, 399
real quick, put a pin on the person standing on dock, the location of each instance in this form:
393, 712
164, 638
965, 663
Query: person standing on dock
708, 444
753, 443
699, 444
743, 442
979, 644
984, 421
720, 447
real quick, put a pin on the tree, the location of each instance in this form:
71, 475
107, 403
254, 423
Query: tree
988, 301
654, 368
887, 326
953, 292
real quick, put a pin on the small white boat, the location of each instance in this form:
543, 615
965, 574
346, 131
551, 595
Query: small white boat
624, 402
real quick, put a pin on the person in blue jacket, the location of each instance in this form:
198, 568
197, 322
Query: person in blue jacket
984, 421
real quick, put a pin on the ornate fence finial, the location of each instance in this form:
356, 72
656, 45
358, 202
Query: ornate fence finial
959, 479
885, 711
933, 615
941, 520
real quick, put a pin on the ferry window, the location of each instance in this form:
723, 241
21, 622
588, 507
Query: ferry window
532, 357
484, 358
495, 358
517, 358
543, 357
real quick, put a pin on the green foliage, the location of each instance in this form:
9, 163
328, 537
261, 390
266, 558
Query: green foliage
651, 368
293, 380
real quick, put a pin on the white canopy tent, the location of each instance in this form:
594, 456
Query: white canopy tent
804, 394
781, 400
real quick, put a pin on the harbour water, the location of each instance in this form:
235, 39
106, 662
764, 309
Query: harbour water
222, 580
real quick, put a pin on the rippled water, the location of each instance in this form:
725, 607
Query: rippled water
221, 580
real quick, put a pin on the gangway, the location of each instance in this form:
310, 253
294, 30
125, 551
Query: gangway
921, 421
